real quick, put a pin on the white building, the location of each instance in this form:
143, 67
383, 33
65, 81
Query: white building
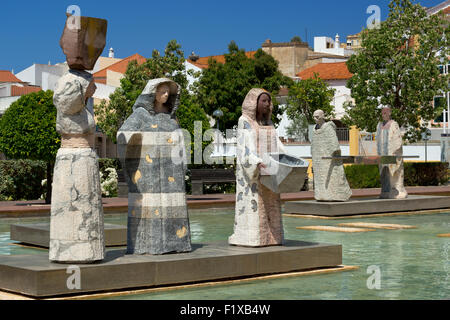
45, 76
11, 88
330, 46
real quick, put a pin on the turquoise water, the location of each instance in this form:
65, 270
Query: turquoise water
413, 263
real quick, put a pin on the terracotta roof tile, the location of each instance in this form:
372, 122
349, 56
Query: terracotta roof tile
20, 91
327, 71
7, 76
120, 67
202, 62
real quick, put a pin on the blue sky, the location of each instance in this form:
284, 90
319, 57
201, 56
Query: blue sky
30, 30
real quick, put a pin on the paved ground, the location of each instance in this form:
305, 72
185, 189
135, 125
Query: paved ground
116, 205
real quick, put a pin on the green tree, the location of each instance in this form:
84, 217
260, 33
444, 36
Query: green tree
111, 115
389, 70
298, 128
224, 86
28, 131
307, 96
296, 39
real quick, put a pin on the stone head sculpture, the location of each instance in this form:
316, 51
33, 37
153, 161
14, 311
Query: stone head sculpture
319, 117
83, 41
386, 113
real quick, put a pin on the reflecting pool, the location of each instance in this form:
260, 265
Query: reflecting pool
413, 263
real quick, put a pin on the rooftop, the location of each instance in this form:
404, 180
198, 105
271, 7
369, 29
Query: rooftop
7, 76
202, 62
119, 67
327, 71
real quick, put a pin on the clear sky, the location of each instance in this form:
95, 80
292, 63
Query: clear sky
30, 30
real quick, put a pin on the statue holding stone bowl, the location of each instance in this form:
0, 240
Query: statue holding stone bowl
330, 182
151, 149
390, 143
258, 220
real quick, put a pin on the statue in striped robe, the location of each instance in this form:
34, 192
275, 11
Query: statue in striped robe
150, 145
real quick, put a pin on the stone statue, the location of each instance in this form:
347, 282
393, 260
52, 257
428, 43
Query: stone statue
389, 143
258, 210
330, 182
151, 149
76, 223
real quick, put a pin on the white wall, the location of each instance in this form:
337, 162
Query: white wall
190, 66
320, 45
341, 95
5, 102
433, 152
103, 91
28, 75
45, 76
305, 150
283, 124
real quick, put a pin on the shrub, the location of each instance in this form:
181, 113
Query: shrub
426, 173
109, 182
363, 176
22, 179
415, 174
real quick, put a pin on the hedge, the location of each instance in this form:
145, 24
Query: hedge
22, 179
415, 174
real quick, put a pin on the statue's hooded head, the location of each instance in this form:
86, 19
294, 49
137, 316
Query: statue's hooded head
250, 105
147, 98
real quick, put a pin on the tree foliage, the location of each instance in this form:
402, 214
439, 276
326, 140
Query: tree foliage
28, 131
225, 85
298, 128
390, 70
307, 96
28, 128
111, 115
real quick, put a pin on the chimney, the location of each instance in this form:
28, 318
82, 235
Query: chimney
337, 42
12, 71
193, 57
111, 53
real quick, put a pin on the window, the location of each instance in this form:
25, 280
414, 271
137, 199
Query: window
439, 102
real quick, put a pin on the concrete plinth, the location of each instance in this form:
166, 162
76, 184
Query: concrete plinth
367, 206
38, 234
34, 275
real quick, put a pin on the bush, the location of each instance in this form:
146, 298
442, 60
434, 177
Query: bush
363, 176
105, 163
426, 174
22, 179
415, 174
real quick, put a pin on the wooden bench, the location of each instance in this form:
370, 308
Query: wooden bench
199, 177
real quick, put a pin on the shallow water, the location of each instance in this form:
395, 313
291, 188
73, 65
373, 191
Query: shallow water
413, 263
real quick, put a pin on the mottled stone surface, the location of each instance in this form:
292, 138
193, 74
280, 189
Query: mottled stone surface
83, 41
258, 219
76, 223
151, 149
390, 143
330, 182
